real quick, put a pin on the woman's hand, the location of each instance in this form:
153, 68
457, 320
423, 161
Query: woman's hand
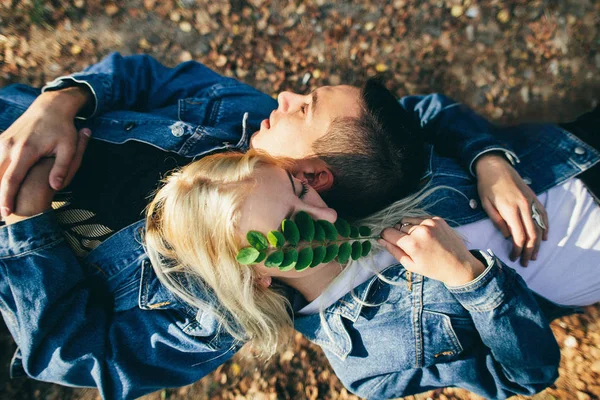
431, 248
508, 202
46, 129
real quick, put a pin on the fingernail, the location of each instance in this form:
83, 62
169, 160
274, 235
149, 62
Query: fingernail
86, 132
5, 212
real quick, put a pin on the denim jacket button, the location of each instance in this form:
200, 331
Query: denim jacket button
527, 180
579, 150
177, 131
129, 126
473, 203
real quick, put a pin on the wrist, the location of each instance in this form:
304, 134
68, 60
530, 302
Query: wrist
68, 101
467, 272
490, 160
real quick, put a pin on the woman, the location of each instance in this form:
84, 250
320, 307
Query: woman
445, 317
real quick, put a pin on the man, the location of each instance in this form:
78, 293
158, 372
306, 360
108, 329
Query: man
188, 111
193, 93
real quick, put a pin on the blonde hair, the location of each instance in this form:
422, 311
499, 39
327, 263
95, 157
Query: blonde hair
192, 240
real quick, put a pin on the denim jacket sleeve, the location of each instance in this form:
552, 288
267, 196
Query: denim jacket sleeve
68, 331
454, 129
521, 356
138, 82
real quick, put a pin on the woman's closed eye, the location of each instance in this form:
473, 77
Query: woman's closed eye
304, 190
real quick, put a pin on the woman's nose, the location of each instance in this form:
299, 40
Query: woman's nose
317, 213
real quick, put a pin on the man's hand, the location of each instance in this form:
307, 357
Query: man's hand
35, 195
507, 200
46, 129
431, 248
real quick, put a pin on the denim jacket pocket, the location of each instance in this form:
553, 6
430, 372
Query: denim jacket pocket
440, 341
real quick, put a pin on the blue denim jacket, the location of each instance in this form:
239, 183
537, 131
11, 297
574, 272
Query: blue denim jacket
107, 321
489, 336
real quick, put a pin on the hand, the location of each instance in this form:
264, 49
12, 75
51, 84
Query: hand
46, 129
507, 200
431, 248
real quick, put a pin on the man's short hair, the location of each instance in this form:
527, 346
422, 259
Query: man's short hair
376, 158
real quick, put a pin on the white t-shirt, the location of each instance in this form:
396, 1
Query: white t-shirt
567, 270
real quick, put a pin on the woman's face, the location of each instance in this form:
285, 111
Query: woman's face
276, 196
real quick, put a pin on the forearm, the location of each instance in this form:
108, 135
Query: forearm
137, 82
454, 129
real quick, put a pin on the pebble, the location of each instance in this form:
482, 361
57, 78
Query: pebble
306, 78
524, 92
111, 10
503, 16
472, 12
457, 11
185, 56
75, 50
185, 26
381, 67
583, 396
470, 32
570, 341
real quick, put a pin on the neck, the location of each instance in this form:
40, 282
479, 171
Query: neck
311, 286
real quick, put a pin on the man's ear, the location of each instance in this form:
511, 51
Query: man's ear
315, 172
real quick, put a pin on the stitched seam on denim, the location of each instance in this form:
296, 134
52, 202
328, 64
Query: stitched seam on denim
418, 321
143, 287
379, 384
27, 252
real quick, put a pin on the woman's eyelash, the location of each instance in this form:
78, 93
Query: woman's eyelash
304, 190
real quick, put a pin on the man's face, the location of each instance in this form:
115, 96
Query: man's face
300, 120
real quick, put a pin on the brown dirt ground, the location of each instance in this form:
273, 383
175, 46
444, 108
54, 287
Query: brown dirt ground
512, 61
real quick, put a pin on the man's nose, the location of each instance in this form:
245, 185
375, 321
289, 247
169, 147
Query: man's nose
288, 101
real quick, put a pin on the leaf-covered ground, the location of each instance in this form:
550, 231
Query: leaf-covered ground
512, 61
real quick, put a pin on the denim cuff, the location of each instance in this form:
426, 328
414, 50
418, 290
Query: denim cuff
29, 234
488, 290
98, 85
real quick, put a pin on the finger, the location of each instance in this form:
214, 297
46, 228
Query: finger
64, 157
82, 142
398, 254
532, 235
538, 242
392, 235
412, 220
496, 218
546, 220
407, 229
12, 179
517, 231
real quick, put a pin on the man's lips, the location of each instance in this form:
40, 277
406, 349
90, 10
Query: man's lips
266, 124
